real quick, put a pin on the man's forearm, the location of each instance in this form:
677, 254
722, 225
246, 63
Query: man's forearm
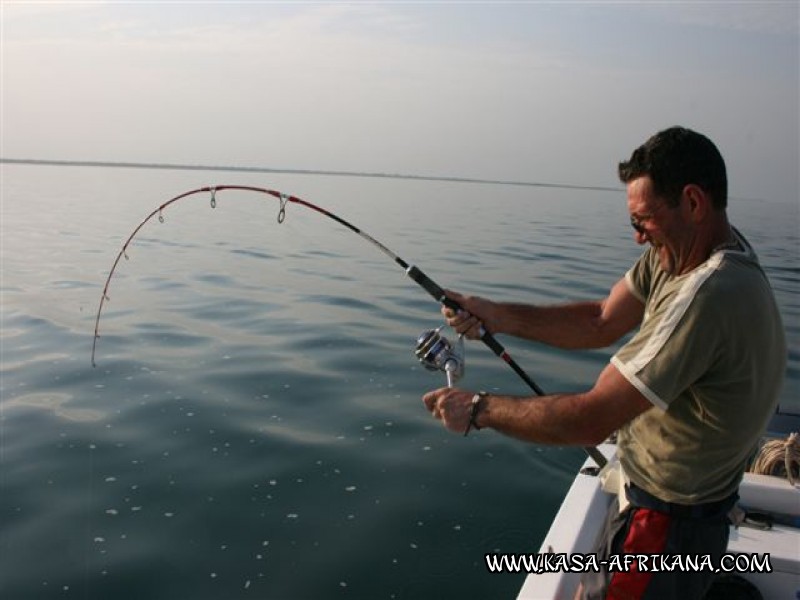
552, 420
584, 419
578, 325
571, 326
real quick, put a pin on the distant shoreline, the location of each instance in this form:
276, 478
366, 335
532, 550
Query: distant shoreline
179, 167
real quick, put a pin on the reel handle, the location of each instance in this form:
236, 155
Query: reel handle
450, 378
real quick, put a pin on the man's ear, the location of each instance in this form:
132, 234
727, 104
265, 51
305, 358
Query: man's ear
695, 202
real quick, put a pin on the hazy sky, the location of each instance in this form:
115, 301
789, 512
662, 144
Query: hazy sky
538, 91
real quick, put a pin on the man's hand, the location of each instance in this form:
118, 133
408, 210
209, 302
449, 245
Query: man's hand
451, 406
475, 313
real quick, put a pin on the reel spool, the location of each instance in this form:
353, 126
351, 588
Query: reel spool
437, 353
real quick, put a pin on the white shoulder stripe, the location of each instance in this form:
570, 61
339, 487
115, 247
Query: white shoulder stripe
632, 287
630, 375
674, 313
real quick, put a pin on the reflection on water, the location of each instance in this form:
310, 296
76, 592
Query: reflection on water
55, 402
254, 428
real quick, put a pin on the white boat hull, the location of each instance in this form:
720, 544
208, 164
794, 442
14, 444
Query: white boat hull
581, 516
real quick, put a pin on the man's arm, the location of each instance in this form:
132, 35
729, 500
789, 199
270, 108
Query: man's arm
572, 326
584, 419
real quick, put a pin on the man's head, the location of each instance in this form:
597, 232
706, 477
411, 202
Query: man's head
677, 194
675, 158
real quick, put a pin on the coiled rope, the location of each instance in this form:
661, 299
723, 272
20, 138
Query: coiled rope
780, 458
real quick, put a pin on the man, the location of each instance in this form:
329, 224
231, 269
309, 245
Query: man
689, 394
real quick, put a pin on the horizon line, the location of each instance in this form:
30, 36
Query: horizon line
286, 171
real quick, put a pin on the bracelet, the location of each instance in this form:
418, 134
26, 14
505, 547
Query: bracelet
473, 413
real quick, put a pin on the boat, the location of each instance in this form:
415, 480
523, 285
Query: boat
768, 536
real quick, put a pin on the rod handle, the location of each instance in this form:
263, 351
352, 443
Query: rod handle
430, 286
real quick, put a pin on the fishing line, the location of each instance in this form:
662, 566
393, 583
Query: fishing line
284, 199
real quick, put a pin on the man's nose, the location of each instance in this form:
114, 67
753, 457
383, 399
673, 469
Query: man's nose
640, 237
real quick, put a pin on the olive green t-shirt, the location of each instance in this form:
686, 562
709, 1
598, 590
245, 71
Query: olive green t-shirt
710, 355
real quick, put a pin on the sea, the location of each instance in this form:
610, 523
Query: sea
253, 425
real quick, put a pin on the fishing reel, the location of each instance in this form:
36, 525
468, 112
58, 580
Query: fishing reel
437, 353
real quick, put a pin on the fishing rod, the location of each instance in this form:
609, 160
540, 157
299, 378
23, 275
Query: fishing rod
412, 271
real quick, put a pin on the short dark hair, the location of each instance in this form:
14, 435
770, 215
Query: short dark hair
675, 158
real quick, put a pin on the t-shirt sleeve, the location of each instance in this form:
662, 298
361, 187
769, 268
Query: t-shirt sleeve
675, 346
638, 277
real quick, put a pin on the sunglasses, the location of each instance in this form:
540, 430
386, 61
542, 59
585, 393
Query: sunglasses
637, 225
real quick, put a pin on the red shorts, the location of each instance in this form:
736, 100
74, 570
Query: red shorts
671, 531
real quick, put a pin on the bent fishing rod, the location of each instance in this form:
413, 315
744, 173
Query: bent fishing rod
412, 271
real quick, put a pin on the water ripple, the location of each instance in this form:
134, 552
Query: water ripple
257, 401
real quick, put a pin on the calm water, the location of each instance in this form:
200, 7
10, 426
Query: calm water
254, 428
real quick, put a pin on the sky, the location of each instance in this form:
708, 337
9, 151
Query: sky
532, 91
